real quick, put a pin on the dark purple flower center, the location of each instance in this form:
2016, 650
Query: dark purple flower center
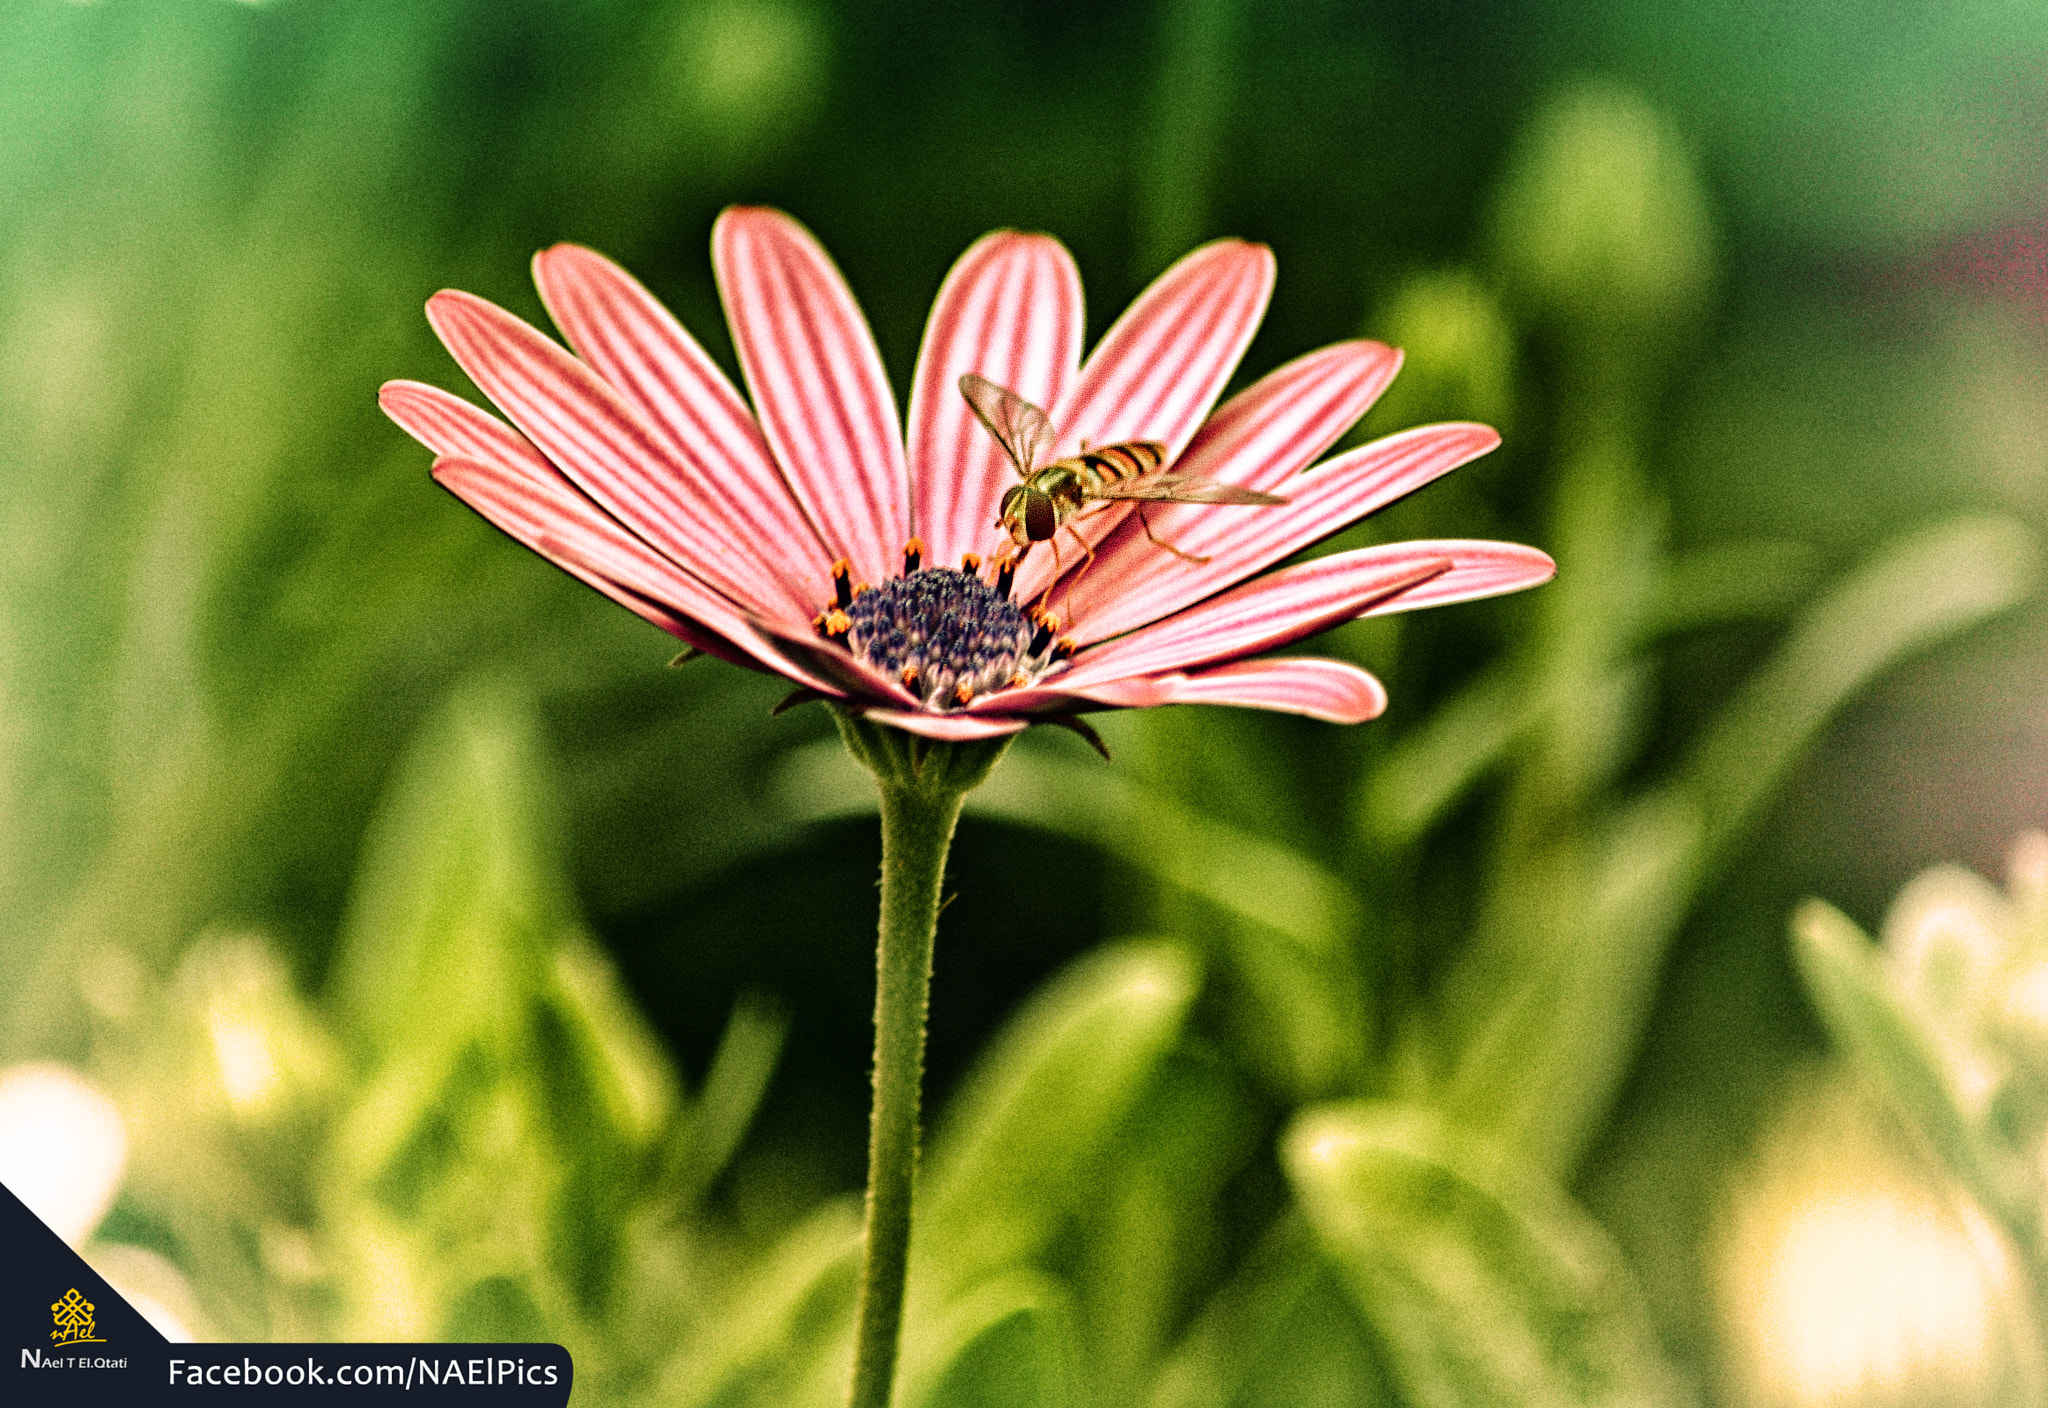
945, 633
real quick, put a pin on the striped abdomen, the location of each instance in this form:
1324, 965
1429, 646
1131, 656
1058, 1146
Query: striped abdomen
1113, 464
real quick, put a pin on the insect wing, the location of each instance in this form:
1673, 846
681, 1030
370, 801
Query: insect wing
1018, 426
1166, 486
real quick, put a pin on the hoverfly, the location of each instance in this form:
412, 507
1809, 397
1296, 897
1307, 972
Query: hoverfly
1053, 494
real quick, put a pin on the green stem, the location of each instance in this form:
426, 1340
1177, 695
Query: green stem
917, 831
922, 784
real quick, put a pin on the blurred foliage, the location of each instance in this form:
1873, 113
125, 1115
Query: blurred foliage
462, 973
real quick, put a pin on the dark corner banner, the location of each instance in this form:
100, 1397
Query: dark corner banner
68, 1338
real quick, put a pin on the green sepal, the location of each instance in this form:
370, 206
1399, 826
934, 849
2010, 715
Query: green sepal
1076, 724
912, 762
796, 699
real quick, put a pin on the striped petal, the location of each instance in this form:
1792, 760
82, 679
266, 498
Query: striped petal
467, 441
1482, 569
1144, 583
1285, 606
1267, 613
818, 385
1330, 690
574, 418
1010, 310
727, 480
1258, 616
547, 514
1161, 366
451, 426
1261, 438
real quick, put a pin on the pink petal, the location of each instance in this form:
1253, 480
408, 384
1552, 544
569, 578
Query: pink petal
725, 475
600, 442
548, 515
449, 425
1482, 569
457, 431
953, 727
1140, 582
1011, 311
1294, 602
1162, 364
1260, 615
1261, 438
818, 385
1160, 367
1330, 690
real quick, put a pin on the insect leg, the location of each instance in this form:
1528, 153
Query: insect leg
1087, 561
1045, 597
1159, 542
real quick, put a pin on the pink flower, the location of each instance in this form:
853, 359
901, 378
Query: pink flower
637, 467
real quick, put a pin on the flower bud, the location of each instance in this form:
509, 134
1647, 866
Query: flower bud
1601, 227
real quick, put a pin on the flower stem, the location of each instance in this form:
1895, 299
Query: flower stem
917, 831
922, 785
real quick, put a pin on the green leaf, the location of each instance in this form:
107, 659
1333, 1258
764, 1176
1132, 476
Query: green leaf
1431, 765
1022, 1143
740, 1072
1007, 1344
1155, 1232
779, 1314
1563, 997
510, 1092
1485, 1286
1732, 582
630, 1071
1560, 1028
456, 900
1898, 1054
1280, 1333
1919, 588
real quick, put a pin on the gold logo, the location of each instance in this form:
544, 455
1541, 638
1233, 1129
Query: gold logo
73, 1315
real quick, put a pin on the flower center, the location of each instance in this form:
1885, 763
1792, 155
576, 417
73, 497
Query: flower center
942, 631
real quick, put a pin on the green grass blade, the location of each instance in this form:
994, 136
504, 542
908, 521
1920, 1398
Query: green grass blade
1486, 1286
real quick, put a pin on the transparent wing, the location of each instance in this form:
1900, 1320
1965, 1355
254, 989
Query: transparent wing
1168, 487
1019, 427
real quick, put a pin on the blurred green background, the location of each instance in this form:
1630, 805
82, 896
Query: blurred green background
1412, 1063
